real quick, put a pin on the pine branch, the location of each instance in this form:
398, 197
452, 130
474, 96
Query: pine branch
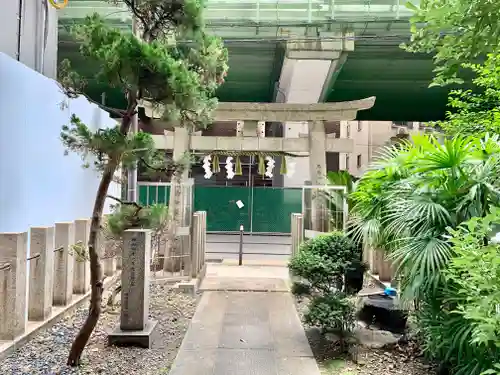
129, 203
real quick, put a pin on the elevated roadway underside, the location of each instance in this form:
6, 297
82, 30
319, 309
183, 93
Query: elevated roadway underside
256, 38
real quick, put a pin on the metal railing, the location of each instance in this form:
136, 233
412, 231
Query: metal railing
276, 12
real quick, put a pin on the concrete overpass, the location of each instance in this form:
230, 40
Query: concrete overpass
305, 51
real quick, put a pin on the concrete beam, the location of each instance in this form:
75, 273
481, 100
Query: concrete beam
292, 145
335, 69
281, 112
318, 49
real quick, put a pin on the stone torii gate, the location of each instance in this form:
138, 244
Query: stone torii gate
252, 116
249, 120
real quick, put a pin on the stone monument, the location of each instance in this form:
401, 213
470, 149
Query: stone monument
135, 329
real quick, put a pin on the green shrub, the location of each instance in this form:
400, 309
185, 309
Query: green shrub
322, 264
326, 260
320, 272
461, 327
331, 311
127, 216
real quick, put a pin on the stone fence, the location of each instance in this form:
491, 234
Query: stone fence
378, 265
59, 274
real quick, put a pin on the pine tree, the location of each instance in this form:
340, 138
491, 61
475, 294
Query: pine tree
170, 62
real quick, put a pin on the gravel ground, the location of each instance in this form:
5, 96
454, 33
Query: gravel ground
46, 353
396, 361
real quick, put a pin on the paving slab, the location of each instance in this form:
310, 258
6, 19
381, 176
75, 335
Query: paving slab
225, 277
245, 333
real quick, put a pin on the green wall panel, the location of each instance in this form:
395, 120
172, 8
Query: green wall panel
265, 210
272, 209
223, 215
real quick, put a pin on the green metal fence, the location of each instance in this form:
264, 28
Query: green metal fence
151, 193
265, 209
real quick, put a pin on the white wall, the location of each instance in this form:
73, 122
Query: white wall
37, 43
38, 184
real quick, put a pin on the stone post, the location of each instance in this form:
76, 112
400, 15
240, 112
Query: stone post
317, 169
297, 232
63, 263
384, 267
367, 255
293, 233
135, 327
81, 275
203, 249
41, 279
108, 256
307, 205
196, 245
377, 257
172, 260
13, 255
109, 266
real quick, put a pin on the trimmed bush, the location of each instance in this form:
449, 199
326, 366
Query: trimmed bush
327, 261
323, 264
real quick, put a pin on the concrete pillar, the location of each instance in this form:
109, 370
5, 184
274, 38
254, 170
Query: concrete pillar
41, 280
13, 255
317, 170
81, 275
63, 263
317, 152
135, 327
308, 71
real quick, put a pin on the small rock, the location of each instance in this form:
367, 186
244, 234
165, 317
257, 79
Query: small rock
376, 339
332, 337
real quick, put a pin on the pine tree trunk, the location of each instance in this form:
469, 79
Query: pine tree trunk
96, 278
95, 272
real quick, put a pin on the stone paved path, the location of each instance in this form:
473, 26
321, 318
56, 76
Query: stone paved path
245, 333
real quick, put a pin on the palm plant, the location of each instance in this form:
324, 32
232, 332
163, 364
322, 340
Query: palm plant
413, 192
